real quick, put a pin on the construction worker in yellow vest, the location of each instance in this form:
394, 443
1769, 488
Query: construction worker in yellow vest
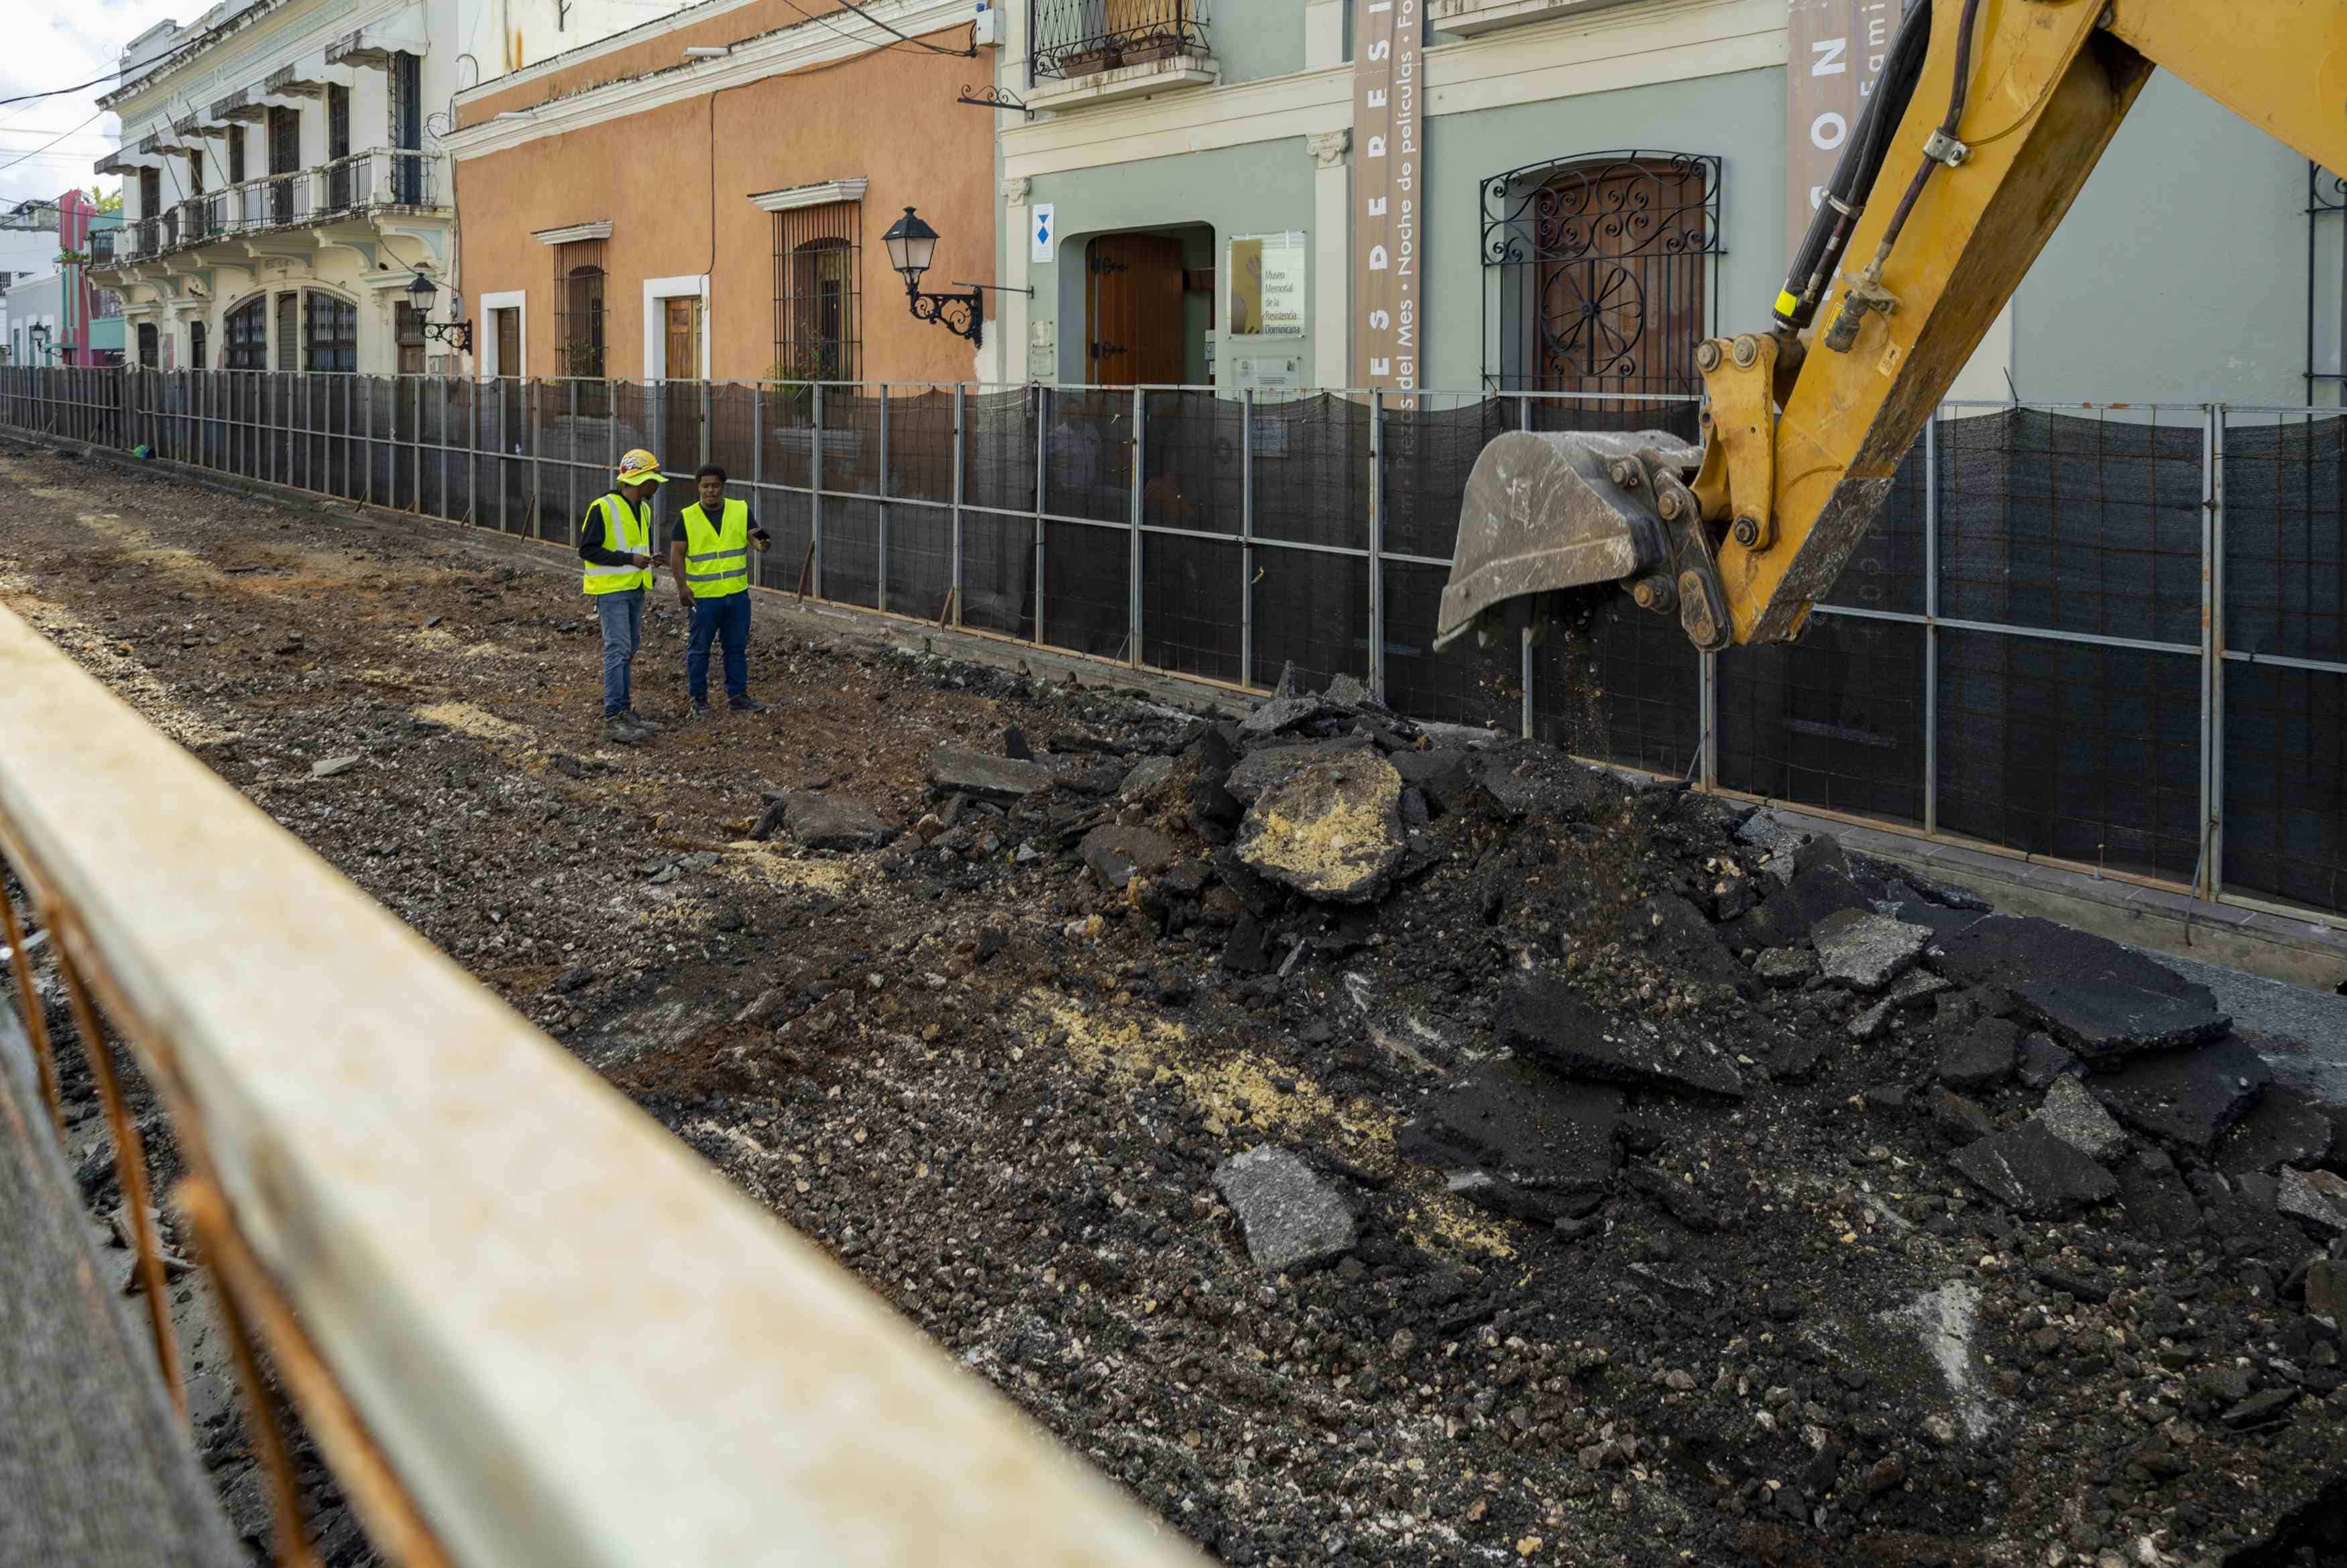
615, 540
709, 556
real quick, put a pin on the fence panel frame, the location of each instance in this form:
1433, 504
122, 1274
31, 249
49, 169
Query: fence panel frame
252, 422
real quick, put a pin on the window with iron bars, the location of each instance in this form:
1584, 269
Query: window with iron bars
248, 336
818, 293
580, 320
334, 332
1603, 280
1082, 38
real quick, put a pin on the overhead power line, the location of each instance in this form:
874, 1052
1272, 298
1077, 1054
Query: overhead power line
53, 141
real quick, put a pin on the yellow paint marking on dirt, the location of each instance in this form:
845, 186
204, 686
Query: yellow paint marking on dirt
1237, 1092
479, 723
752, 861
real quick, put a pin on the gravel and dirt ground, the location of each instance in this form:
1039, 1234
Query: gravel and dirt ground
1651, 1250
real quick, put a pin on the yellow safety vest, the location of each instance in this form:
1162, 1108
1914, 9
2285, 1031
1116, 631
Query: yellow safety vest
628, 531
717, 559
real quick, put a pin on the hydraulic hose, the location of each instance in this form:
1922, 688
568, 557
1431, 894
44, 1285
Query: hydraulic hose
1854, 173
1924, 167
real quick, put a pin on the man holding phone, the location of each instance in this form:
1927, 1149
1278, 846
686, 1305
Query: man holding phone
708, 555
615, 541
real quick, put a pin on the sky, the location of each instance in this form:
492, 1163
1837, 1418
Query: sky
55, 44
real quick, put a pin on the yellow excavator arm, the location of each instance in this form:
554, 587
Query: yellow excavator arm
1988, 117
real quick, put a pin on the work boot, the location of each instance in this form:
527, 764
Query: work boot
640, 722
748, 705
617, 730
701, 711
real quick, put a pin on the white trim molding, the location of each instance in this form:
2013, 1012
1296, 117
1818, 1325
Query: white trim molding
798, 196
692, 286
486, 357
571, 233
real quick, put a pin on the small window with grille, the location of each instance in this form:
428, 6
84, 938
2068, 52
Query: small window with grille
578, 314
334, 332
247, 337
818, 293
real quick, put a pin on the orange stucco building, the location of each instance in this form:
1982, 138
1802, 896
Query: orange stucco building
629, 210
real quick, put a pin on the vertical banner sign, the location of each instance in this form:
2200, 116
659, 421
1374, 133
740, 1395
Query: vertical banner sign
1388, 164
1835, 55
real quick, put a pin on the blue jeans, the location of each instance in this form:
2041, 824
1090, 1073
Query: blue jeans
622, 616
727, 618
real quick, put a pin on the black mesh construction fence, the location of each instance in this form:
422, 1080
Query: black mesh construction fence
2056, 705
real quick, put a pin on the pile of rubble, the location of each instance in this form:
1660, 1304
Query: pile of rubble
1874, 1215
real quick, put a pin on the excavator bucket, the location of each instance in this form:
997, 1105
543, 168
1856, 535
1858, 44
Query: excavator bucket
1548, 511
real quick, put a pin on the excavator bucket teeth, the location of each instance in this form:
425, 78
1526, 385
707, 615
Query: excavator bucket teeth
1547, 511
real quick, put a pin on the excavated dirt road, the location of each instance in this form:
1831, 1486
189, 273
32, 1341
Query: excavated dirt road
1761, 1316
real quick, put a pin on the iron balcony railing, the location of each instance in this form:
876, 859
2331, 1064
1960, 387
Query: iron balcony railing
374, 180
1082, 38
101, 245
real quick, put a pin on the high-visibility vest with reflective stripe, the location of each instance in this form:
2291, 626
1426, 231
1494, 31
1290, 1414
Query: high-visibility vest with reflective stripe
628, 531
717, 559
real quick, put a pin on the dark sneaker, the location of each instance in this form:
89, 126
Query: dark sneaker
640, 722
701, 711
748, 705
617, 730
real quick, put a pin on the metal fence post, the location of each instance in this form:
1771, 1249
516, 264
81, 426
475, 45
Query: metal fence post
1932, 621
2210, 881
1140, 458
1246, 536
415, 445
1524, 655
570, 468
758, 458
814, 487
880, 575
1377, 661
960, 484
1042, 478
473, 451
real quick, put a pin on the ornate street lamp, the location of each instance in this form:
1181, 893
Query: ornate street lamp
458, 335
912, 246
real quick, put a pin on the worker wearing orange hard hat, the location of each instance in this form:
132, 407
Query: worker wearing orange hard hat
615, 540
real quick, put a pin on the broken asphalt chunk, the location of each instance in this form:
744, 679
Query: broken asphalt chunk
1676, 935
952, 768
1265, 766
1330, 831
1282, 714
2099, 998
1512, 1200
1866, 951
824, 821
1520, 1124
1786, 916
1980, 1056
1546, 1022
2188, 1097
2284, 1128
2158, 1204
2034, 1173
1116, 854
2319, 1198
1291, 1218
2073, 1115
